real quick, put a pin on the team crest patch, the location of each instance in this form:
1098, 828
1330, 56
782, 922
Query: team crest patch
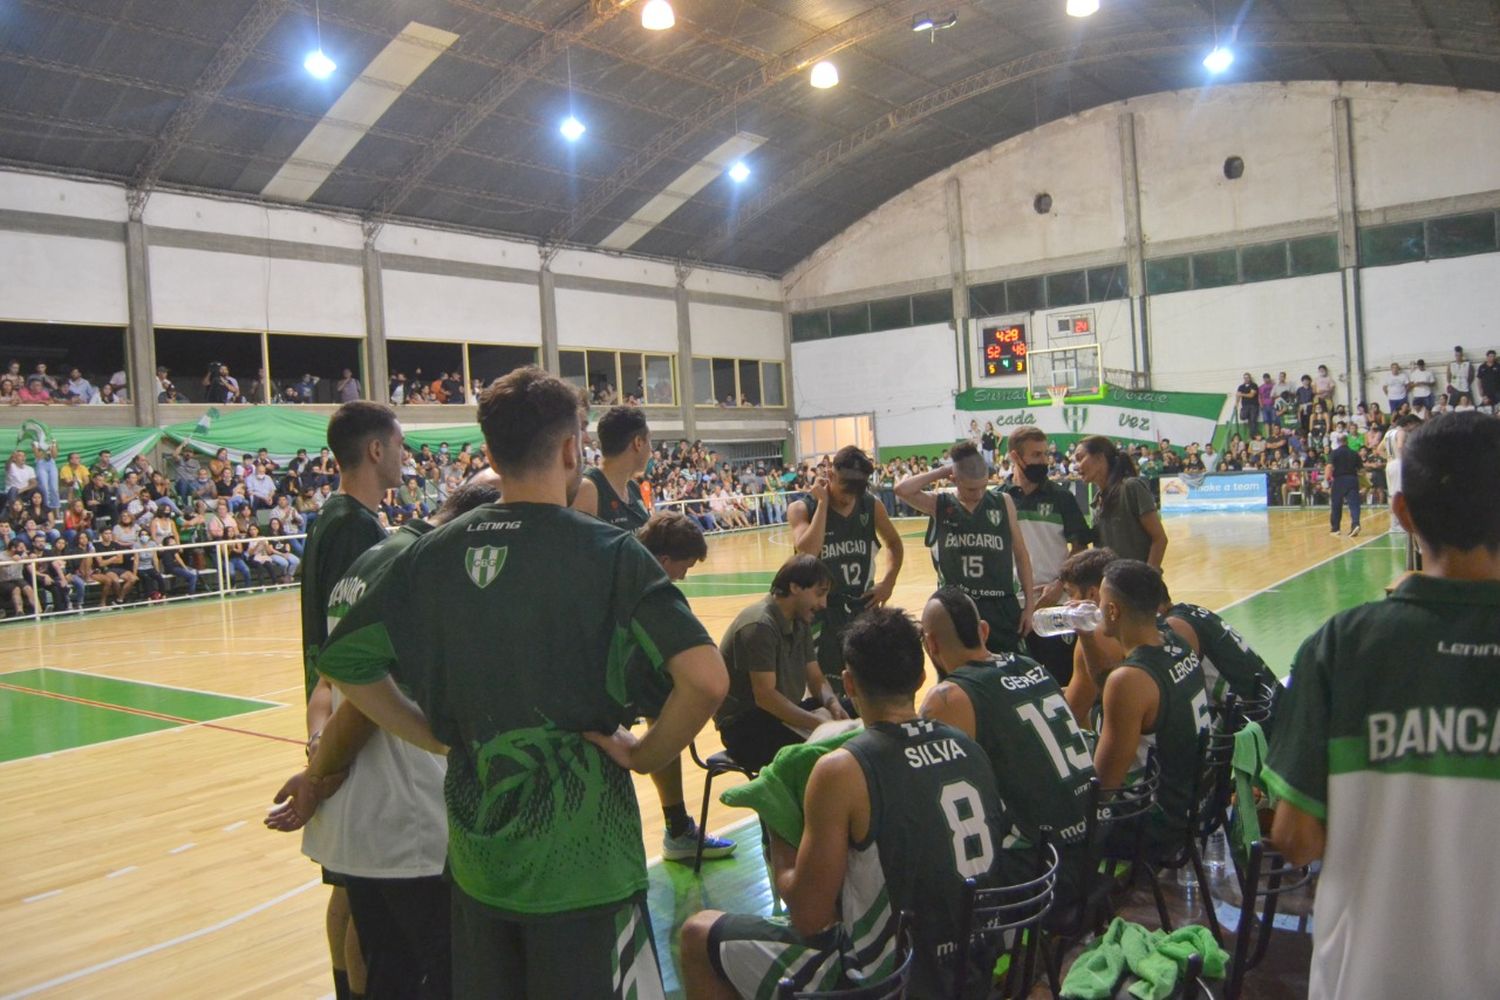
995, 518
484, 564
864, 519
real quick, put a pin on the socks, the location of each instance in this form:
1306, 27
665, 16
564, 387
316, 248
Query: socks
677, 819
341, 985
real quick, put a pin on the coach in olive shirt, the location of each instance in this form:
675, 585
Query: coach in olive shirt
772, 663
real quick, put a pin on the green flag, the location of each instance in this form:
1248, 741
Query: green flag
33, 430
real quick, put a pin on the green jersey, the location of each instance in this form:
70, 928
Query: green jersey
1181, 714
971, 550
626, 513
345, 528
1390, 734
849, 547
1042, 764
512, 626
1050, 522
1228, 661
936, 819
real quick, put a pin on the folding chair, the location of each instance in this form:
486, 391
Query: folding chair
717, 764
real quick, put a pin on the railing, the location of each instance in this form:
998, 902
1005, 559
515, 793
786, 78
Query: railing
760, 509
210, 563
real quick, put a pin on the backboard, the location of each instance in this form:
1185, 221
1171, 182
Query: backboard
1077, 367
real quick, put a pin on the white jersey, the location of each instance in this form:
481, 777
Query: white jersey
1460, 375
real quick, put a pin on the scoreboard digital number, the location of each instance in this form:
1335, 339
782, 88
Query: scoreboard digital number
1003, 349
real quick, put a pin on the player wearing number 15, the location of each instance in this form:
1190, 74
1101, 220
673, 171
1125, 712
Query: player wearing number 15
839, 522
976, 543
1154, 698
895, 820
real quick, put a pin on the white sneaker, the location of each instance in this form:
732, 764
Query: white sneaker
1354, 531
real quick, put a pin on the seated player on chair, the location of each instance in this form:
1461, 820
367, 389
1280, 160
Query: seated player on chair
896, 820
1229, 664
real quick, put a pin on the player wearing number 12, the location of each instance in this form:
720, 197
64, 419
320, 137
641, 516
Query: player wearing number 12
976, 543
895, 820
1154, 698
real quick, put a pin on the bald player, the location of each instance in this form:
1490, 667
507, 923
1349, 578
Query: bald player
1012, 707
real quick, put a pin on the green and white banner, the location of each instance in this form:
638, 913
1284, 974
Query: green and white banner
1137, 416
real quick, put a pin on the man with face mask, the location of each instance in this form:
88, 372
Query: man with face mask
1054, 528
976, 543
839, 522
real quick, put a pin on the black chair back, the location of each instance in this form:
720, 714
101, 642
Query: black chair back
892, 987
1267, 875
1017, 909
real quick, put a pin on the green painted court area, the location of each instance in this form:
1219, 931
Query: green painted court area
726, 584
45, 710
1276, 621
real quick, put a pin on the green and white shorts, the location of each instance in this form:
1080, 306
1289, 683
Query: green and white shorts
755, 953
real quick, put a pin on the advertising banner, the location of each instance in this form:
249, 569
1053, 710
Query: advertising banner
1127, 415
1216, 491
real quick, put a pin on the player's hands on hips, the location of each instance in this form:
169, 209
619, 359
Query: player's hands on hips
819, 489
299, 798
619, 746
877, 597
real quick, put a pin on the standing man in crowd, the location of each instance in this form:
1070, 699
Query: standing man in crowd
1054, 528
976, 543
611, 493
1489, 381
1422, 383
544, 838
1342, 476
366, 438
1249, 396
1385, 759
775, 683
840, 522
1460, 377
1396, 387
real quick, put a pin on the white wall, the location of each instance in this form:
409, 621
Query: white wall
1203, 341
440, 307
1422, 310
62, 196
62, 279
726, 332
1420, 143
210, 215
906, 377
196, 288
604, 319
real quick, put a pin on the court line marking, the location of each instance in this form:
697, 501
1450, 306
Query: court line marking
155, 684
145, 713
123, 871
184, 847
42, 895
234, 826
162, 945
1306, 569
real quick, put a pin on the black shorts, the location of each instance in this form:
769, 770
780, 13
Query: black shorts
604, 952
1003, 614
1055, 652
336, 879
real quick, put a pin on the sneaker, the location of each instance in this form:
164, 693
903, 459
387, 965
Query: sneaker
1334, 533
685, 846
1354, 531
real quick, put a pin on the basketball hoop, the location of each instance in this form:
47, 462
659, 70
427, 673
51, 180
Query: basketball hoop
1058, 394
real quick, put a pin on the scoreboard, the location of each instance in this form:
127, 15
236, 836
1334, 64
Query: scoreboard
1002, 349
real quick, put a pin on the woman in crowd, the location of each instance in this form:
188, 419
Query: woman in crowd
234, 555
51, 577
1125, 515
164, 533
9, 396
74, 570
77, 518
127, 531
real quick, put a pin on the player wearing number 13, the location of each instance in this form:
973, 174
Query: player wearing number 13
1154, 698
895, 820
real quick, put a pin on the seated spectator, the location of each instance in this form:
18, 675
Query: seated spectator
235, 556
77, 518
8, 394
263, 558
109, 394
261, 489
36, 392
163, 533
16, 592
78, 390
114, 569
347, 389
281, 549
398, 389
20, 477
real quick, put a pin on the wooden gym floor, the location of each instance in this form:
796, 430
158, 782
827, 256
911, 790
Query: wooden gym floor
140, 748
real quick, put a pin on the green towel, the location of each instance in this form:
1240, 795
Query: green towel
1194, 939
776, 793
1157, 958
1249, 757
1096, 971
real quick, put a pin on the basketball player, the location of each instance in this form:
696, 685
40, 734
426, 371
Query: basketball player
366, 440
1385, 758
975, 543
1229, 664
512, 627
840, 522
612, 494
1154, 698
386, 832
896, 819
1053, 528
1094, 653
1012, 707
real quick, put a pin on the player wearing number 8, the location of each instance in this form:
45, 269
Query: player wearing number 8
1014, 710
1154, 698
895, 820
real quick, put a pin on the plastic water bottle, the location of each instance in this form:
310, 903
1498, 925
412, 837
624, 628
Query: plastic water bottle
1083, 617
1216, 855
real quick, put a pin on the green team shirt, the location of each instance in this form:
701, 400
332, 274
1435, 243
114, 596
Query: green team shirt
936, 819
626, 513
1050, 519
1390, 734
849, 547
1181, 713
1228, 661
512, 627
344, 529
367, 570
1042, 764
972, 550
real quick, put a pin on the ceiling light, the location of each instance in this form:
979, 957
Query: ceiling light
922, 22
739, 173
1082, 8
319, 65
926, 22
824, 75
571, 128
1218, 60
657, 16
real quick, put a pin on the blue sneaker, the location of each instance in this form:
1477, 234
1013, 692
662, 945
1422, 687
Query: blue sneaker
685, 846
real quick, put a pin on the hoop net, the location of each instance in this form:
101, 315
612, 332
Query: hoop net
1057, 393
